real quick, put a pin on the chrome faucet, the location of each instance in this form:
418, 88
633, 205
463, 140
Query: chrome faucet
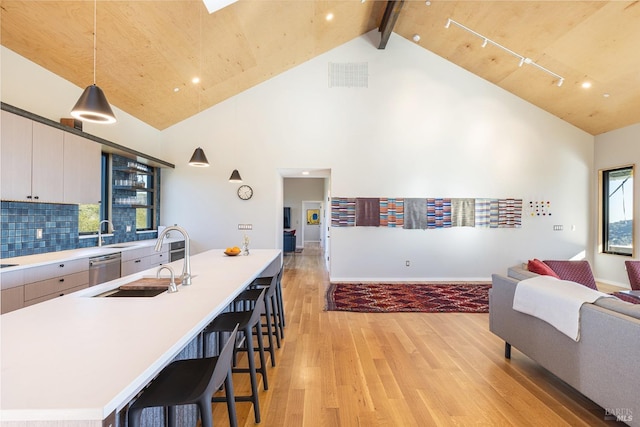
186, 269
100, 230
172, 284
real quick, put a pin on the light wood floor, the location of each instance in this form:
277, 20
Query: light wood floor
399, 369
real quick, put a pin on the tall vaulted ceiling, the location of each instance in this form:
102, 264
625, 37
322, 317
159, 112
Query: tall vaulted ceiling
148, 49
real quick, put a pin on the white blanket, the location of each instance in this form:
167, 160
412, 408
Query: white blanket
555, 301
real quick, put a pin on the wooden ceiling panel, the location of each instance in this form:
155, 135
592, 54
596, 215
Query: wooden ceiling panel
145, 49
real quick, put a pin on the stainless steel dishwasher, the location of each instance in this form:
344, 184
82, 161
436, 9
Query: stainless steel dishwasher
104, 268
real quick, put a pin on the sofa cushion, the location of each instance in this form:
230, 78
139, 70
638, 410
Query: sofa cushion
539, 267
520, 272
575, 271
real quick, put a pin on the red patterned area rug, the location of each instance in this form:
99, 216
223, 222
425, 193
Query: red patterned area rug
409, 297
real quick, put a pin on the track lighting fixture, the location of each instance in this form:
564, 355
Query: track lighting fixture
523, 59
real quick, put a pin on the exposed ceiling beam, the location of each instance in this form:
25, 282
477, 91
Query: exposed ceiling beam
389, 21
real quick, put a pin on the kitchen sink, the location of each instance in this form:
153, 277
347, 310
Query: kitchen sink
7, 265
132, 293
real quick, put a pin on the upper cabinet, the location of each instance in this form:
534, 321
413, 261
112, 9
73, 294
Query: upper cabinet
42, 163
15, 153
46, 164
81, 170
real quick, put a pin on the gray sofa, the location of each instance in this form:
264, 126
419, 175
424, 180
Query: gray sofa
604, 365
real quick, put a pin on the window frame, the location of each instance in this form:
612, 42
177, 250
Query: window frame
104, 206
604, 196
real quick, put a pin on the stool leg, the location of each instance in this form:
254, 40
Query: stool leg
170, 416
252, 369
274, 315
263, 364
272, 352
206, 415
281, 307
231, 402
134, 417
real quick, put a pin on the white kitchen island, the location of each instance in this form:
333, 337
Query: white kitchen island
78, 360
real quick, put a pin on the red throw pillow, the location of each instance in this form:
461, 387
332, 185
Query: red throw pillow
539, 267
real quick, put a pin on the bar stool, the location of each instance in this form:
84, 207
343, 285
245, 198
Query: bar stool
278, 314
247, 321
248, 298
190, 381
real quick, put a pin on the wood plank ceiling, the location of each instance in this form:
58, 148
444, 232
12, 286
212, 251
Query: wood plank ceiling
146, 49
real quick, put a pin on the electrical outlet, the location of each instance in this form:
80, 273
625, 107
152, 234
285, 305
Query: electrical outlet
128, 228
407, 263
38, 233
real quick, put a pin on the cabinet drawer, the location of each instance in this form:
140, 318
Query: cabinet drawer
50, 271
56, 295
12, 279
12, 299
132, 266
133, 254
55, 286
157, 259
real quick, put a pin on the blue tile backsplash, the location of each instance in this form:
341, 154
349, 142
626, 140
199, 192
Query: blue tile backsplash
59, 223
19, 222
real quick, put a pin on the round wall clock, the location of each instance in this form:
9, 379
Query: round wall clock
245, 192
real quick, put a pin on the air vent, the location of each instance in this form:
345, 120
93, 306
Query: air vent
349, 74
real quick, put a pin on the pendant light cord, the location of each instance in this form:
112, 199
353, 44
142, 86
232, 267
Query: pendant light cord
95, 24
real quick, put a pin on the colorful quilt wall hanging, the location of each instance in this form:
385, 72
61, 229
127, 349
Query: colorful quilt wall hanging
425, 214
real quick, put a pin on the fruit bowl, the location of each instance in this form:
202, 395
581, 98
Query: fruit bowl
232, 251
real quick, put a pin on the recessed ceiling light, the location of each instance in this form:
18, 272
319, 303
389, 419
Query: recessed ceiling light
195, 80
416, 38
606, 95
329, 16
305, 173
586, 85
176, 89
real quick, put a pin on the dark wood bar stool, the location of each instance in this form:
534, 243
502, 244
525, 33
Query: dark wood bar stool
247, 321
190, 381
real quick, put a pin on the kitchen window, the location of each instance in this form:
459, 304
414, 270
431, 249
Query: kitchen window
617, 211
90, 215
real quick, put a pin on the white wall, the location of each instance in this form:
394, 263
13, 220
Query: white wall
423, 128
620, 147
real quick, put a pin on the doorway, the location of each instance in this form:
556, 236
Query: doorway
312, 220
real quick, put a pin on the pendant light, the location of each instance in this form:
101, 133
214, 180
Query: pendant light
235, 176
92, 106
199, 159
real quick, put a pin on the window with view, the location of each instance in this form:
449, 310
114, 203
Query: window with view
617, 211
90, 215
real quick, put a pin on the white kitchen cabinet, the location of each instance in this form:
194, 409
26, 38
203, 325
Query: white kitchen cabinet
15, 155
82, 172
12, 295
53, 280
32, 160
12, 299
47, 163
136, 260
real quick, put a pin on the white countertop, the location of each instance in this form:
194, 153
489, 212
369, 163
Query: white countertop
81, 358
35, 260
